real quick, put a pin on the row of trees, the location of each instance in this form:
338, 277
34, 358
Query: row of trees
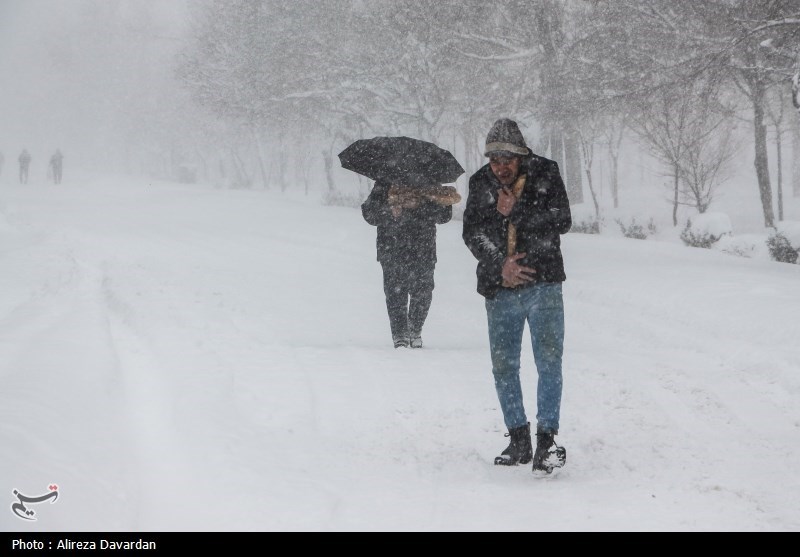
678, 75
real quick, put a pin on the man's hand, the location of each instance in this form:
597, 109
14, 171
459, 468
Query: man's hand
515, 274
505, 201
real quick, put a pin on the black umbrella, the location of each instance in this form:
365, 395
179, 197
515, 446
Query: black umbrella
402, 161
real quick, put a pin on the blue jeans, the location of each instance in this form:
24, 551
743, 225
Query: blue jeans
542, 306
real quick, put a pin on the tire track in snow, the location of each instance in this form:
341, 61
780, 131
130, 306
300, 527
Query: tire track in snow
60, 378
170, 494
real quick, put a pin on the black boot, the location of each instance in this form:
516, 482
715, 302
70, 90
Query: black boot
548, 454
519, 450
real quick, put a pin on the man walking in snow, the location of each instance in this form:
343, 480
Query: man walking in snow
516, 211
406, 245
56, 164
24, 166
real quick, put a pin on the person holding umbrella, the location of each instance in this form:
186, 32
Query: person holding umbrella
517, 209
406, 247
406, 203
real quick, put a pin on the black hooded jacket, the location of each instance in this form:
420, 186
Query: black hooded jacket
540, 216
409, 238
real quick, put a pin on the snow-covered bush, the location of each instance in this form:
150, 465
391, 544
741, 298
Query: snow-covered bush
705, 230
341, 199
584, 219
751, 246
631, 228
590, 226
784, 242
780, 249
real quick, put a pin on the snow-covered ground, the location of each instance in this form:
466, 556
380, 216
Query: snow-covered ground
183, 358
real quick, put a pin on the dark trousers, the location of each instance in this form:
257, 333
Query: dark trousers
23, 174
409, 292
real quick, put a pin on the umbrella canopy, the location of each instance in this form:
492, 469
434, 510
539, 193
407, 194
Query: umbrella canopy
402, 161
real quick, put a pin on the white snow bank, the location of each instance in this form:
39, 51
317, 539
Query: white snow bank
711, 224
791, 231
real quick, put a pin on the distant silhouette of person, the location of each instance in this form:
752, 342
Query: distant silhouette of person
24, 166
56, 164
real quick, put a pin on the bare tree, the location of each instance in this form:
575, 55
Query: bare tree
776, 106
663, 126
522, 46
668, 42
612, 135
593, 126
705, 164
678, 126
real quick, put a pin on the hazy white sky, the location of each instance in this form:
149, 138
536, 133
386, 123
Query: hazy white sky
72, 71
96, 78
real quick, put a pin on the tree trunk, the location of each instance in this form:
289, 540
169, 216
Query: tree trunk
761, 160
260, 156
557, 147
242, 178
204, 163
572, 166
675, 198
282, 167
591, 190
544, 145
779, 148
796, 159
613, 150
328, 157
615, 179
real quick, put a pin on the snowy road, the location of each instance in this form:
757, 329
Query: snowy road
178, 357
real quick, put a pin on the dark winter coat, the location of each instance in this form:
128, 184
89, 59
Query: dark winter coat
540, 216
411, 237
